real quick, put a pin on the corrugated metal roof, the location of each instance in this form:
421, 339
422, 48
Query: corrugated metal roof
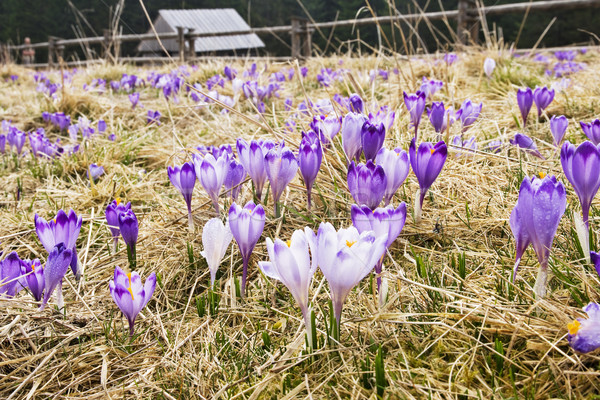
204, 21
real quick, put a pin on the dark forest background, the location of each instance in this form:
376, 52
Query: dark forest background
39, 19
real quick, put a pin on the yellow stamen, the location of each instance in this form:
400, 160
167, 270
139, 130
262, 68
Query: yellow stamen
573, 327
54, 220
118, 200
542, 175
289, 243
129, 288
33, 267
432, 151
349, 243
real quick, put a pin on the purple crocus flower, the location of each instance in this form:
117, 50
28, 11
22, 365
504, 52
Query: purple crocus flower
525, 101
57, 266
429, 87
382, 221
291, 264
252, 157
592, 130
33, 278
2, 143
542, 96
450, 58
427, 162
310, 156
595, 259
345, 257
16, 138
396, 167
211, 173
558, 127
101, 126
94, 171
153, 117
113, 210
438, 116
581, 165
229, 72
384, 116
526, 143
469, 113
184, 179
367, 183
130, 294
372, 138
281, 166
235, 176
584, 334
327, 127
134, 98
246, 225
352, 135
356, 103
534, 220
415, 103
64, 228
468, 146
10, 271
129, 227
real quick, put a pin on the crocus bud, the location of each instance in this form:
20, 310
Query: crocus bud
310, 156
212, 173
396, 167
438, 116
542, 96
525, 101
56, 268
352, 135
372, 138
112, 212
469, 113
234, 179
356, 103
252, 157
592, 130
216, 238
427, 162
128, 225
367, 183
184, 179
488, 66
281, 166
558, 127
526, 143
10, 271
34, 280
415, 103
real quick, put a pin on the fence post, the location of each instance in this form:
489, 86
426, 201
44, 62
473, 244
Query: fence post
468, 21
307, 45
181, 43
296, 31
51, 50
191, 40
106, 44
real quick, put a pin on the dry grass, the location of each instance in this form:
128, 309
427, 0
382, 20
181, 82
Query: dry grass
444, 333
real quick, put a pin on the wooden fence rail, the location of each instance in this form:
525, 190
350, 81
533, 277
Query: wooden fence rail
467, 16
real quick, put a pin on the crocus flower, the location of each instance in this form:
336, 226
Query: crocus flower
427, 162
542, 96
130, 295
592, 130
450, 58
112, 212
488, 66
62, 229
134, 98
415, 103
430, 87
246, 225
101, 126
534, 220
464, 147
345, 257
327, 127
525, 101
367, 183
95, 171
33, 278
526, 143
291, 264
584, 334
396, 167
2, 143
382, 221
153, 117
10, 271
252, 157
129, 227
352, 135
57, 266
356, 103
216, 238
212, 173
281, 166
437, 116
469, 113
310, 156
558, 127
372, 138
581, 165
184, 179
235, 176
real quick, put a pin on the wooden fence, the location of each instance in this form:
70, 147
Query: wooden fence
468, 17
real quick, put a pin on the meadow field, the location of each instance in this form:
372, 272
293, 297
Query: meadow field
447, 320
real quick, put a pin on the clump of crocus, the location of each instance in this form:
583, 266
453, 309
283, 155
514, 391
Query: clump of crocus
584, 334
33, 278
235, 176
415, 103
592, 130
427, 162
526, 143
290, 263
430, 87
184, 179
468, 114
558, 127
534, 220
372, 138
525, 101
216, 238
56, 268
64, 228
252, 157
95, 171
542, 96
310, 156
396, 167
153, 117
212, 173
281, 166
581, 165
367, 183
129, 227
489, 65
130, 294
442, 118
345, 257
246, 225
464, 147
352, 135
382, 221
112, 212
10, 271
